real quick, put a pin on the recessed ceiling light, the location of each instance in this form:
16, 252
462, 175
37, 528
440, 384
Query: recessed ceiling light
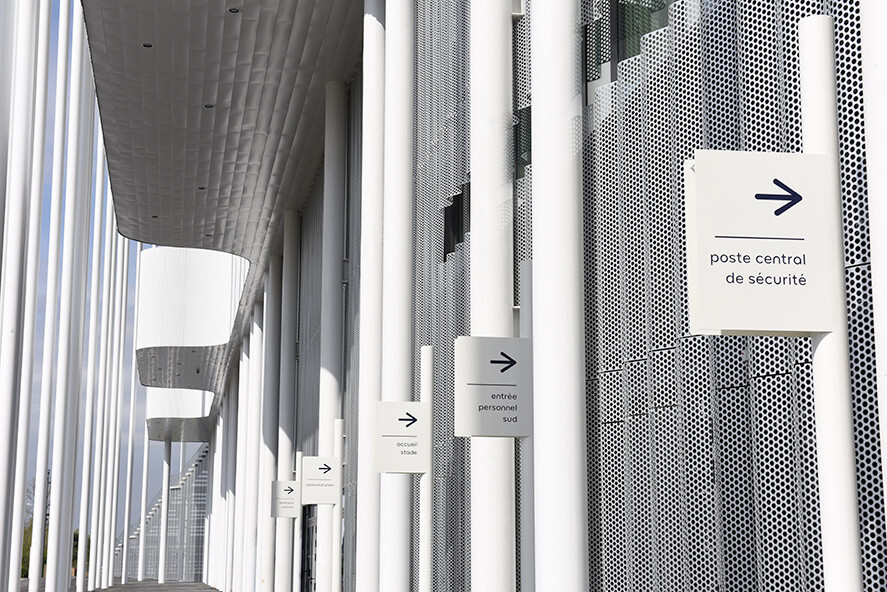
202, 188
233, 10
147, 45
155, 217
209, 106
210, 234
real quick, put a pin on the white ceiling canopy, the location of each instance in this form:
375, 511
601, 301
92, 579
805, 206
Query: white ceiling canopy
212, 113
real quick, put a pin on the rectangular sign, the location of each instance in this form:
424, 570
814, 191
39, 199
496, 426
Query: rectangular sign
321, 480
494, 387
403, 437
764, 246
286, 499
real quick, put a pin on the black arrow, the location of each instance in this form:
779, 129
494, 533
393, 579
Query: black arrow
408, 418
289, 490
792, 198
326, 468
508, 362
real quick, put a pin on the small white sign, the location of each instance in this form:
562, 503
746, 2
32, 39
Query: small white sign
763, 243
403, 437
286, 499
321, 480
494, 387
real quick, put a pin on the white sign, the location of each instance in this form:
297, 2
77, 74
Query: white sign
763, 243
494, 387
321, 480
286, 499
403, 437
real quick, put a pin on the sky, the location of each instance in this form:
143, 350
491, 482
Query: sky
156, 448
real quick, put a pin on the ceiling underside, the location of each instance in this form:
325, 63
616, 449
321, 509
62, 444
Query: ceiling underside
212, 115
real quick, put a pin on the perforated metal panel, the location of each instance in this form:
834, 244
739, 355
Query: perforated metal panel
352, 338
701, 450
186, 527
309, 322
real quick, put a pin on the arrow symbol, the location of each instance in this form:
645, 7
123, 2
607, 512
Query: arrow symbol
508, 362
289, 490
326, 468
408, 418
792, 198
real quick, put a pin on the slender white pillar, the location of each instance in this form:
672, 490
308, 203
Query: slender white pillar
331, 322
143, 505
164, 512
131, 431
527, 483
558, 301
76, 238
426, 481
835, 451
112, 386
14, 259
395, 507
492, 298
114, 484
95, 325
243, 412
336, 558
270, 407
109, 257
253, 434
286, 442
874, 79
233, 422
370, 343
35, 209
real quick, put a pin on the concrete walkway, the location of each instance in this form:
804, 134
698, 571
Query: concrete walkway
146, 586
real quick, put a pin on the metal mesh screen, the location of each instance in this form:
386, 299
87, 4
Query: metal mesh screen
702, 466
309, 321
186, 527
352, 337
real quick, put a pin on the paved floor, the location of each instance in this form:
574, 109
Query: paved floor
146, 586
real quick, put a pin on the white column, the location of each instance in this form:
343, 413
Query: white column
370, 353
286, 443
131, 430
15, 240
231, 470
874, 79
76, 238
35, 209
164, 512
558, 301
243, 412
492, 298
331, 322
527, 483
426, 481
253, 435
270, 421
118, 420
143, 505
95, 325
397, 281
835, 450
112, 389
110, 270
336, 559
